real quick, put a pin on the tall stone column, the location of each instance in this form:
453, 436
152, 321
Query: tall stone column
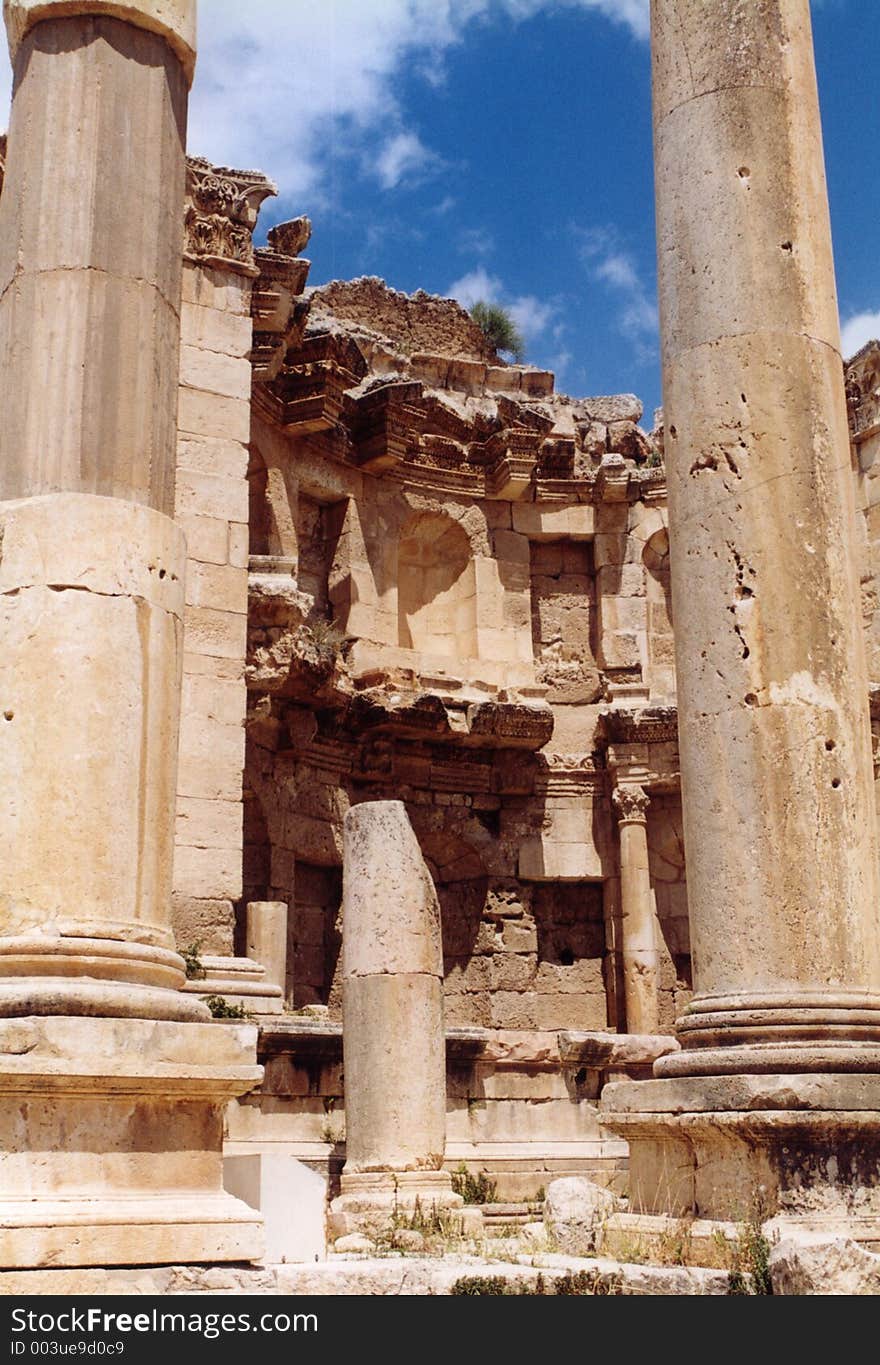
772, 691
772, 688
394, 1044
639, 948
112, 1090
92, 569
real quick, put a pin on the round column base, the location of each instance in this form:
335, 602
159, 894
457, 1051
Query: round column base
783, 1032
39, 996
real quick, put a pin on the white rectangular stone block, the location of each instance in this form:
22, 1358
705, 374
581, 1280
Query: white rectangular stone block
292, 1199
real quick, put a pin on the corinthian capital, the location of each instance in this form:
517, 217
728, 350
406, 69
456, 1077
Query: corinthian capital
630, 802
222, 206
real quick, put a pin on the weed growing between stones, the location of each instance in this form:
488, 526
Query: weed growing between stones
748, 1257
221, 1008
195, 970
474, 1189
584, 1282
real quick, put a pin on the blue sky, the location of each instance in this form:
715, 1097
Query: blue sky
502, 149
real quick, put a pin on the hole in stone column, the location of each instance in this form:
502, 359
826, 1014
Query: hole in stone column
743, 397
835, 782
161, 573
743, 172
830, 745
8, 715
786, 246
672, 431
750, 699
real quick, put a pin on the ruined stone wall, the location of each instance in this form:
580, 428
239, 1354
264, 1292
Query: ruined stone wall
410, 322
518, 953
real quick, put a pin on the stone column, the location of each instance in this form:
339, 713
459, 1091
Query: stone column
110, 1127
266, 928
639, 950
394, 1044
772, 689
774, 734
92, 569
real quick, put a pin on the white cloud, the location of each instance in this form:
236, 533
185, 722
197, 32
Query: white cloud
299, 89
476, 241
858, 329
614, 267
618, 269
478, 286
531, 316
403, 157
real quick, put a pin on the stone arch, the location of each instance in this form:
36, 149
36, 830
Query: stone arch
436, 587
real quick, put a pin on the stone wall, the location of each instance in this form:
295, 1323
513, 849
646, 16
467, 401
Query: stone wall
212, 508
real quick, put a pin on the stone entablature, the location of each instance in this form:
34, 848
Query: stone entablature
487, 431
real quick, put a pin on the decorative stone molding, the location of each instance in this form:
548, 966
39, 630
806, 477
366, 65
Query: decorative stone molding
221, 212
648, 725
862, 380
631, 803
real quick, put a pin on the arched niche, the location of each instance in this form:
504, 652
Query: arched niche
660, 634
259, 513
436, 588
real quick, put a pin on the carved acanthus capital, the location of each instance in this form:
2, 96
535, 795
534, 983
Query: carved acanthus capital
221, 212
631, 803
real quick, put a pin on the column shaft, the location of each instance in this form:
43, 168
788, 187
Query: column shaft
92, 569
772, 687
640, 952
392, 1001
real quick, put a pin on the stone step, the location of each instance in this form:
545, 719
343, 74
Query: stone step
499, 1219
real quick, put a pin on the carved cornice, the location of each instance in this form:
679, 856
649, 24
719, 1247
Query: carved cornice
648, 725
631, 804
220, 215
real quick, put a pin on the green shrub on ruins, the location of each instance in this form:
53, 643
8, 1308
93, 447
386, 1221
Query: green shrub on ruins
499, 329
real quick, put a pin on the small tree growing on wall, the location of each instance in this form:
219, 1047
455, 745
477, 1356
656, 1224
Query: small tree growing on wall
499, 329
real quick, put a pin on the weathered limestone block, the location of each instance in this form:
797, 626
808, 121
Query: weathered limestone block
111, 1132
840, 1266
574, 1211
